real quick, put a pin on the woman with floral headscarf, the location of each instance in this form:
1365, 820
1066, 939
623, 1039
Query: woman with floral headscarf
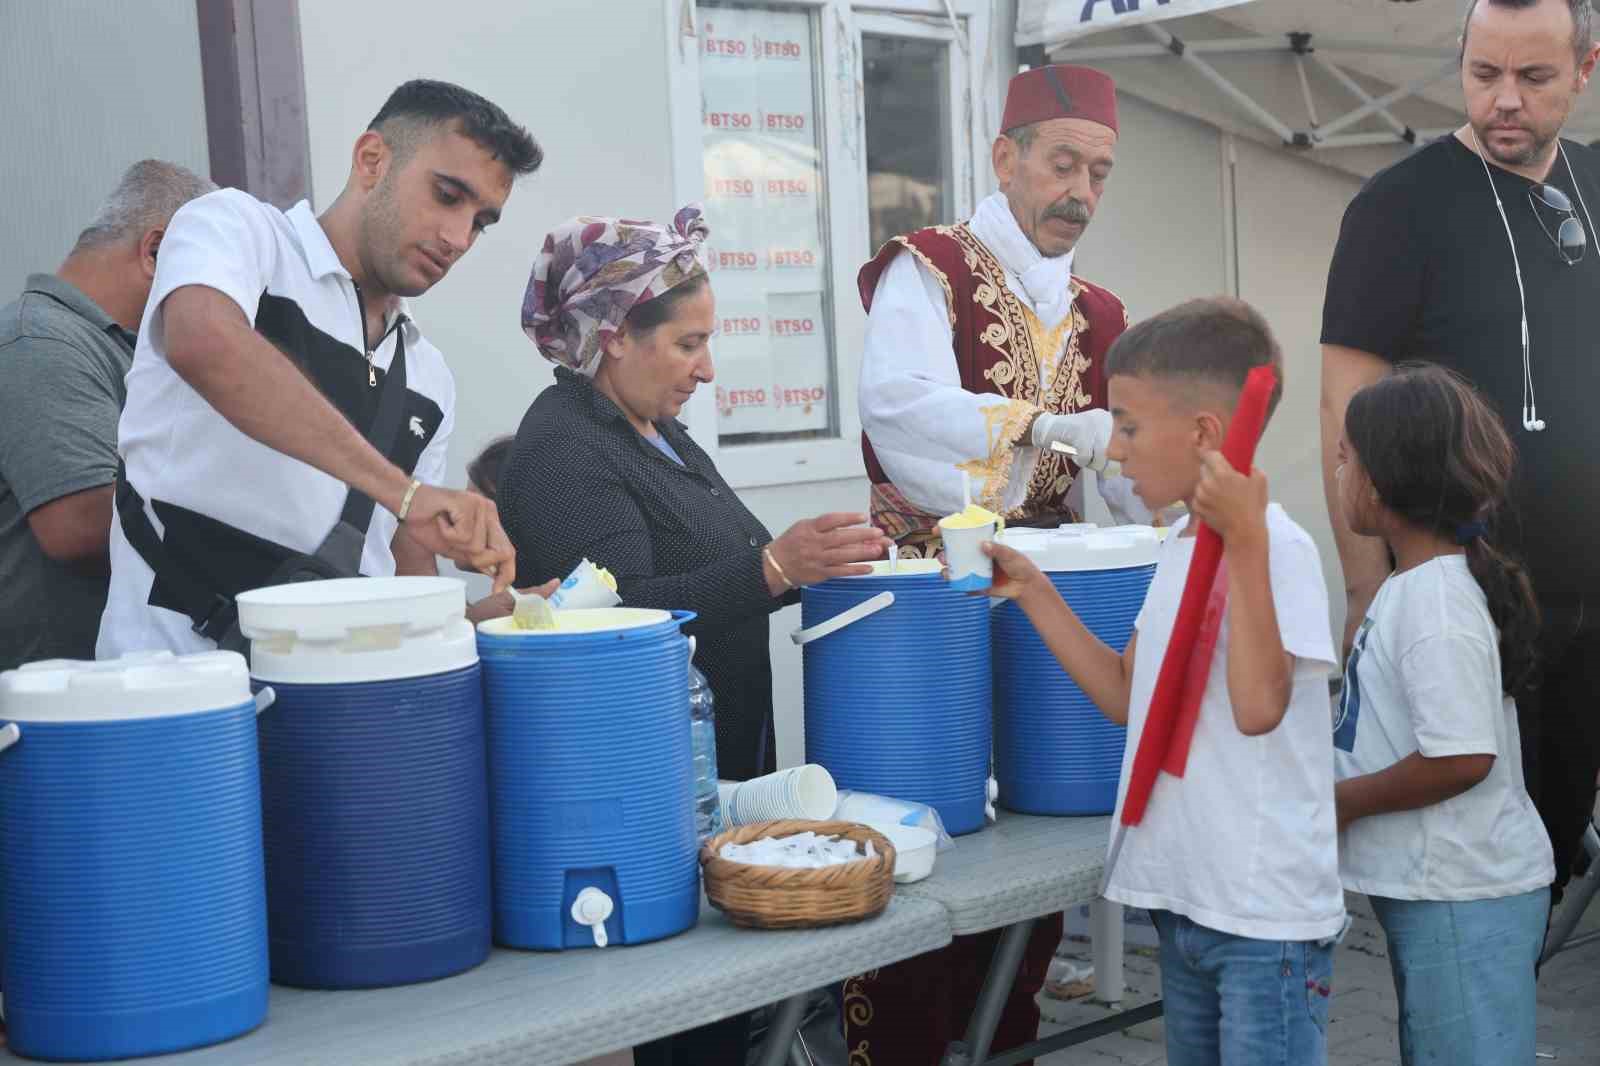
603, 469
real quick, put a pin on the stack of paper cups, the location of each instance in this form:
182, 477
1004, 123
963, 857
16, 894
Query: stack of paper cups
588, 586
805, 792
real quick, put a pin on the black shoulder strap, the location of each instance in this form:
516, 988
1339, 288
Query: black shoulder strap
211, 612
385, 428
215, 615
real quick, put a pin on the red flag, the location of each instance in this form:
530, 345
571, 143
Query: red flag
1199, 672
1162, 744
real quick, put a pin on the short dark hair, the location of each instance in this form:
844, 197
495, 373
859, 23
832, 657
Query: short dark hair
644, 317
485, 469
1582, 12
483, 473
1217, 340
422, 105
1022, 136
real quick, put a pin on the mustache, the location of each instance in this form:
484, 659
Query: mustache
1069, 210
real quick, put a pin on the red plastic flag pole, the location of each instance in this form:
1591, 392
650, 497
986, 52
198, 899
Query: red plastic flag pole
1199, 672
1162, 744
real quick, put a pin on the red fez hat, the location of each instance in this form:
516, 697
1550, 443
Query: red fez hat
1060, 91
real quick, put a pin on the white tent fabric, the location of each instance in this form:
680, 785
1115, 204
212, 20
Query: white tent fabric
1054, 22
1411, 45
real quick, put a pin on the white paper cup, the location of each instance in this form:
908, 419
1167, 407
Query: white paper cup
970, 569
815, 794
584, 588
799, 792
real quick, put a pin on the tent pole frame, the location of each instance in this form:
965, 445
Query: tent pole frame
1328, 135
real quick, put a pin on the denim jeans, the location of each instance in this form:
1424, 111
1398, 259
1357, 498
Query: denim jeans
1234, 1001
1464, 976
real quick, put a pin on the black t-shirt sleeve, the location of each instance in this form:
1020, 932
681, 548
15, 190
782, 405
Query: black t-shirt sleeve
1374, 297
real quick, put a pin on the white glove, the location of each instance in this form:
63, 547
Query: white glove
1087, 432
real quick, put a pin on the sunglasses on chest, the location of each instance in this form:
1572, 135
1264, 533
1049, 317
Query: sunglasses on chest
1570, 238
1571, 241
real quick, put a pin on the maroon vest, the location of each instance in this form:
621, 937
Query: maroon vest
993, 345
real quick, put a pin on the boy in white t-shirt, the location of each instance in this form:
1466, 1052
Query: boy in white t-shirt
1236, 859
1437, 826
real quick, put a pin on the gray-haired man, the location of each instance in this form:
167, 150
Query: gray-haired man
65, 346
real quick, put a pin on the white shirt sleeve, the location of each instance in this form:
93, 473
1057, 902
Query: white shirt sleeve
222, 240
1452, 686
921, 422
430, 468
1299, 597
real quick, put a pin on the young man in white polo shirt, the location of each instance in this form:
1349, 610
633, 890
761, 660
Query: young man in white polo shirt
260, 427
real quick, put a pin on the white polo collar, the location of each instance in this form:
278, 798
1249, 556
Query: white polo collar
322, 260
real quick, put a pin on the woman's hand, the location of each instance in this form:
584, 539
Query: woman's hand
1229, 502
1015, 575
829, 546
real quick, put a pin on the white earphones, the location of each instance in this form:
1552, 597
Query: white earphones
1530, 403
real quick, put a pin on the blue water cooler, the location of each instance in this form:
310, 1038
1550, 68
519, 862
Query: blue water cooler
591, 773
132, 914
898, 688
1054, 752
373, 780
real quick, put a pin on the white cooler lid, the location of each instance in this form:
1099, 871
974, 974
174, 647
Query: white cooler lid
331, 610
902, 568
1072, 549
140, 685
357, 629
580, 620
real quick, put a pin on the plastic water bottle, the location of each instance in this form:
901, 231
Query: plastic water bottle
703, 729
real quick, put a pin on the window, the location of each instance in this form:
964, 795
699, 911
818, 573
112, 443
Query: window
802, 162
910, 182
767, 207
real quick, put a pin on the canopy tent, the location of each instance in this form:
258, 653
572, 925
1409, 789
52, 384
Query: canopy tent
1411, 46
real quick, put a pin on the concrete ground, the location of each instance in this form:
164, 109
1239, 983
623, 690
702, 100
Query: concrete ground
1362, 1027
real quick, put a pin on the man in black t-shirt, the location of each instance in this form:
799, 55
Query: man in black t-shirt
1425, 269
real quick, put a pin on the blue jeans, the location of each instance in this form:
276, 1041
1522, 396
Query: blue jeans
1234, 1001
1464, 976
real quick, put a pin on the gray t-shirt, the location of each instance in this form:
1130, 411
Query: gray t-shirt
62, 364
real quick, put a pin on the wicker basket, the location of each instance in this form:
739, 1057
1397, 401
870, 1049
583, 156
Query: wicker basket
776, 897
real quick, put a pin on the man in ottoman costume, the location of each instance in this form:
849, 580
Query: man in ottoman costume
982, 350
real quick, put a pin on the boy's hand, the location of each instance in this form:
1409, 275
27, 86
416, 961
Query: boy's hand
1014, 573
1229, 502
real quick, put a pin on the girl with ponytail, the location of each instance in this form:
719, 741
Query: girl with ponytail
1436, 825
